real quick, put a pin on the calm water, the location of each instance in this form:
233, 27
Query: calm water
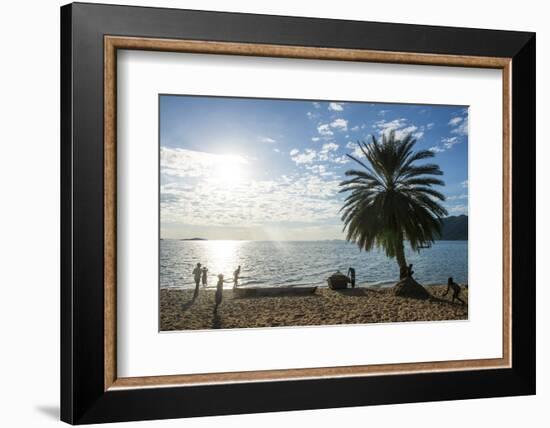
276, 263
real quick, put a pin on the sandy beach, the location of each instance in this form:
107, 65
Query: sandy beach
325, 307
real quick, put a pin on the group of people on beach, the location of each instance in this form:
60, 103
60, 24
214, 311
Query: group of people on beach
201, 273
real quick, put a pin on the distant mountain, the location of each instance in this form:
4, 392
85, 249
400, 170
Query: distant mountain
455, 228
193, 239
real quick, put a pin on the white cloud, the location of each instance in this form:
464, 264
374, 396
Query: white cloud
401, 127
276, 150
318, 169
340, 124
312, 115
324, 130
391, 125
315, 139
355, 128
455, 121
459, 124
316, 104
304, 198
430, 126
267, 140
182, 163
341, 159
461, 129
457, 197
416, 133
306, 157
457, 209
329, 147
464, 184
449, 142
325, 153
336, 106
357, 152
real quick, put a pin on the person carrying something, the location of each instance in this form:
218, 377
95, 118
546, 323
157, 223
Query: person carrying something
351, 276
456, 290
197, 277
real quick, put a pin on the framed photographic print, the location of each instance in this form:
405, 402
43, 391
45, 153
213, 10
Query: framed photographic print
266, 213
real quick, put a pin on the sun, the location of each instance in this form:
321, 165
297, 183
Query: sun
230, 170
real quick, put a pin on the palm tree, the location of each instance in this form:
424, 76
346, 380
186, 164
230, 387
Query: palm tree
392, 199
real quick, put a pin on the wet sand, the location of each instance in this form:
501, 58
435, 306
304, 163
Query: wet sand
362, 305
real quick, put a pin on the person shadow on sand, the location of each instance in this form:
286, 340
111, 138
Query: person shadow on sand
216, 321
187, 305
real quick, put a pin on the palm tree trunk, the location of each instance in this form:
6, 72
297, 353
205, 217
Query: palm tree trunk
400, 256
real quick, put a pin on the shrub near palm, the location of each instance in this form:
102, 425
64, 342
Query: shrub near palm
391, 198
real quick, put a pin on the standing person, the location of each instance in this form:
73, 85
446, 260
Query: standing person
204, 276
236, 276
456, 290
219, 292
351, 275
197, 277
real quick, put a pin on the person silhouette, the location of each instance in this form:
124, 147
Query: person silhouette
351, 275
204, 272
197, 277
219, 292
451, 285
236, 276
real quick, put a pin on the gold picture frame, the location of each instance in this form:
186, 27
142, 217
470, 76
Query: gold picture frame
114, 43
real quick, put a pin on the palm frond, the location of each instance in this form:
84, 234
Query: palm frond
391, 197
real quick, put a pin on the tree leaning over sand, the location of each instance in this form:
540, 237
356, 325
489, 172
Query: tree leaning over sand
391, 199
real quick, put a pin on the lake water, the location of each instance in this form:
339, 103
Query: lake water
276, 263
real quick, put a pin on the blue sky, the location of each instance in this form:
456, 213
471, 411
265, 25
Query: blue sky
242, 168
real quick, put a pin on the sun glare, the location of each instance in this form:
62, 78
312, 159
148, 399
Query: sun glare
230, 170
222, 257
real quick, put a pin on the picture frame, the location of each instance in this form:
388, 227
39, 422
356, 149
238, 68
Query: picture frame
91, 391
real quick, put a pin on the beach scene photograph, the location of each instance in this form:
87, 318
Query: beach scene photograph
286, 213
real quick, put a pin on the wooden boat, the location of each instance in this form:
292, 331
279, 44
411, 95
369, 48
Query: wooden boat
338, 281
273, 291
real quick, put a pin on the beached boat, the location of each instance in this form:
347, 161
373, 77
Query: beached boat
338, 281
273, 291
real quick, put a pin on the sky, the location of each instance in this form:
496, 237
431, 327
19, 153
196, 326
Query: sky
269, 169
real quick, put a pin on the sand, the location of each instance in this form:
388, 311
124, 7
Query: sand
325, 307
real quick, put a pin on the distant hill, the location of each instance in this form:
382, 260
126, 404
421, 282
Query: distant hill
193, 239
455, 228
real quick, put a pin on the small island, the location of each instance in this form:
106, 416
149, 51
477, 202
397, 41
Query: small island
193, 239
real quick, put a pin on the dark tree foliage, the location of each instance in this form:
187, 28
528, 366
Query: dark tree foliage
392, 198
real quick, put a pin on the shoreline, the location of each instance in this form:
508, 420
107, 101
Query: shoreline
374, 286
359, 305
